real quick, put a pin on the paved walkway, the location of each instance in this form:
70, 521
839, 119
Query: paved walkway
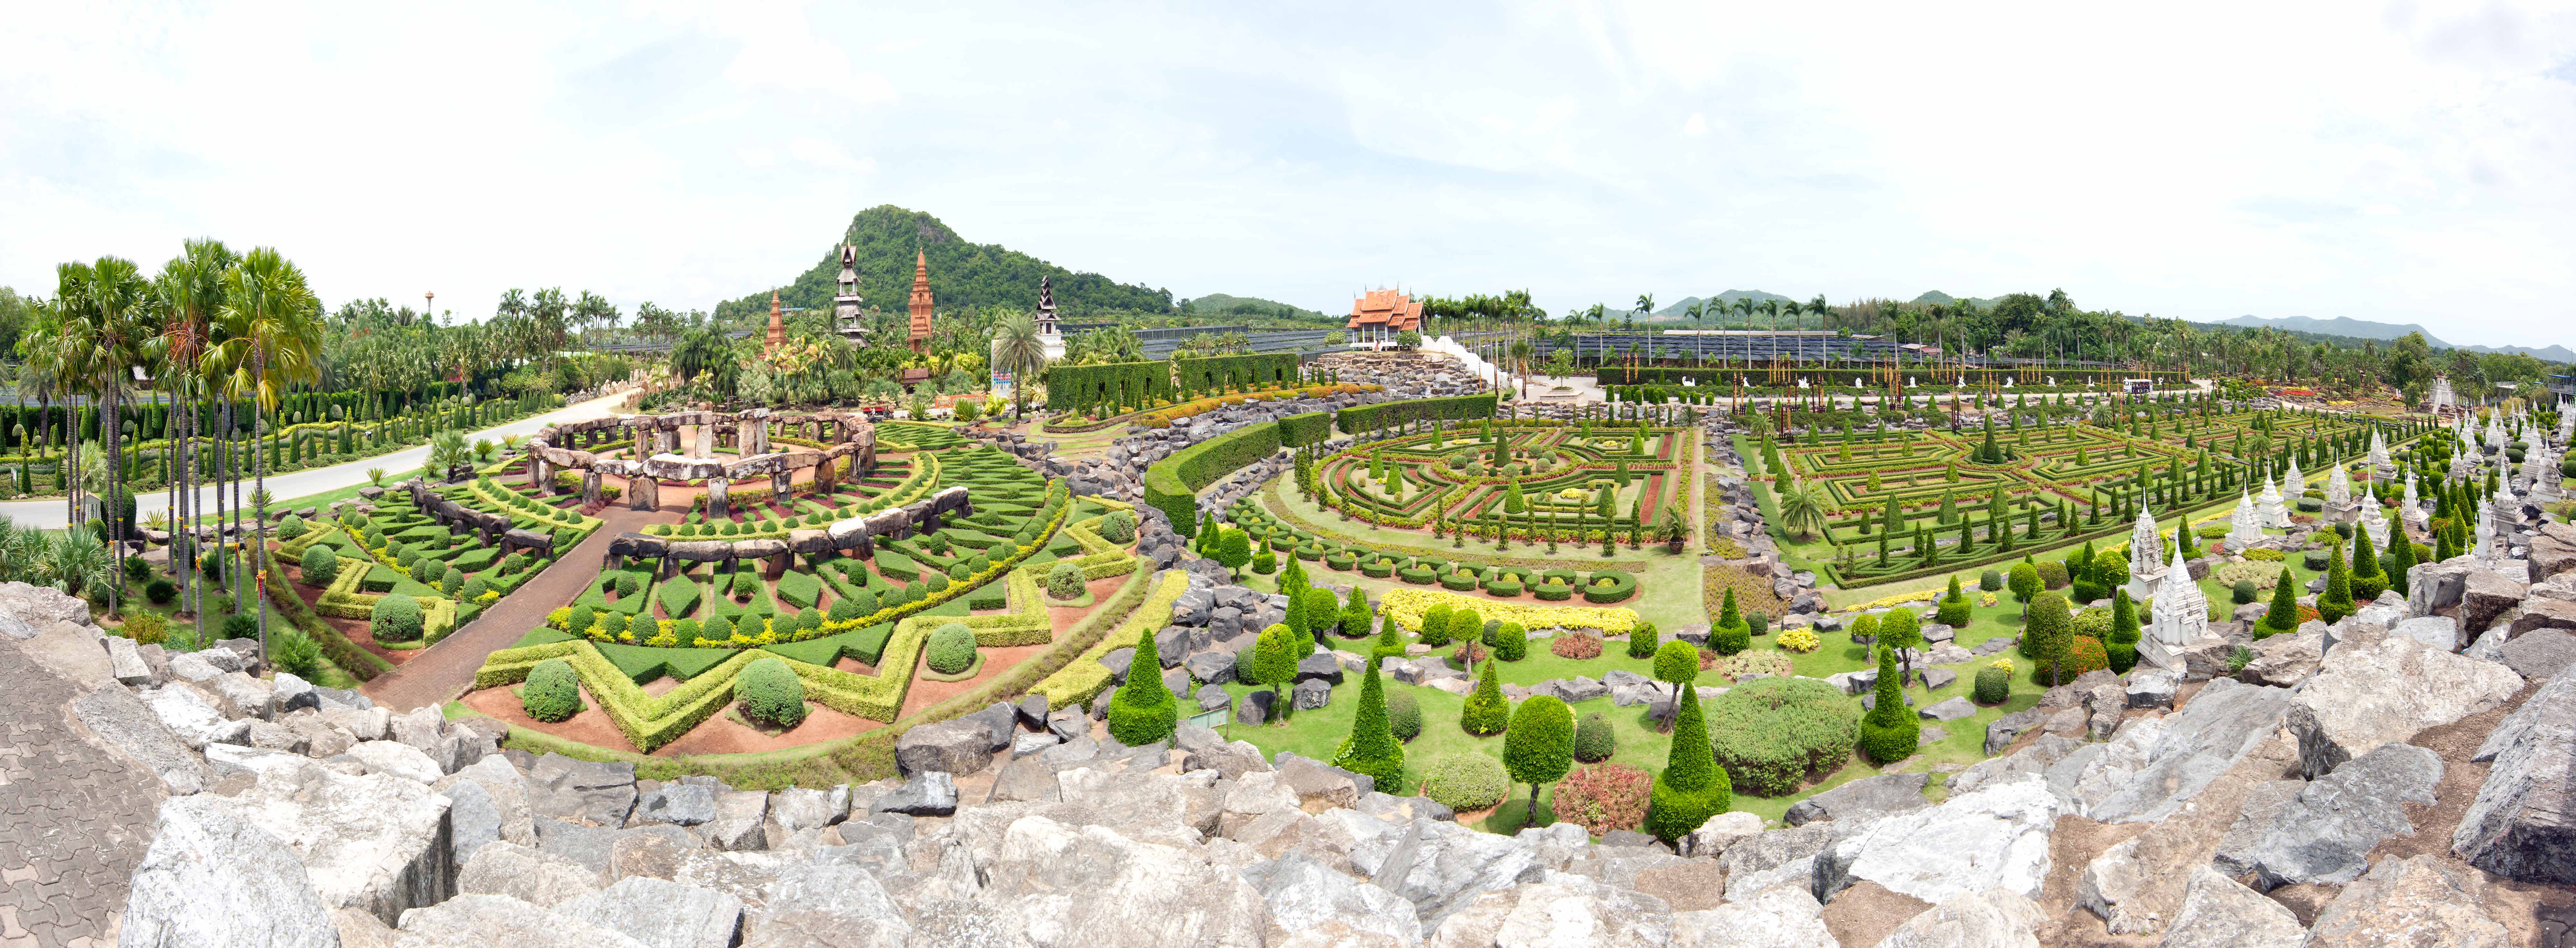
48, 514
446, 669
74, 817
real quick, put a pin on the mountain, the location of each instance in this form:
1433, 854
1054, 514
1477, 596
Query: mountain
2351, 328
1676, 311
962, 274
1219, 305
1936, 296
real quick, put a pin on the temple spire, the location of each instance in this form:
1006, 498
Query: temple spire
921, 302
777, 326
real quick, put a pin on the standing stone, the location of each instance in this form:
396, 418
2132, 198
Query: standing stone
2522, 825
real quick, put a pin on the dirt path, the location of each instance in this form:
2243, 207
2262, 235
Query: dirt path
444, 670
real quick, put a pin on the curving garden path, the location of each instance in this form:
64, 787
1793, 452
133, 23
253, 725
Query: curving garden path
446, 669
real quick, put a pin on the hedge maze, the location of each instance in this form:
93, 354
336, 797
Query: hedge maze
1575, 483
1898, 503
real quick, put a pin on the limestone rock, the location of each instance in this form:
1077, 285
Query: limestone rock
2150, 768
193, 719
1783, 917
538, 878
400, 760
2372, 693
2523, 823
738, 823
1863, 798
834, 904
1089, 886
212, 879
1994, 918
1304, 896
2234, 856
2538, 654
123, 721
1996, 837
2219, 913
584, 792
379, 843
2412, 901
660, 914
486, 921
953, 747
1721, 831
929, 793
2324, 834
1027, 779
1556, 912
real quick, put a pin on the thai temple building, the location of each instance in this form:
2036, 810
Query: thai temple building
1378, 315
847, 318
1048, 327
2177, 618
777, 327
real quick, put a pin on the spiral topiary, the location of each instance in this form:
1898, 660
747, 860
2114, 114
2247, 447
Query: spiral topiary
770, 692
951, 649
552, 692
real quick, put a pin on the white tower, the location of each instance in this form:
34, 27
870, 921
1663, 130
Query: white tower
2178, 617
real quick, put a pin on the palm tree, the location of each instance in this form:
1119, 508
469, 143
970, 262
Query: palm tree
1520, 356
106, 320
270, 317
1802, 508
1018, 349
189, 289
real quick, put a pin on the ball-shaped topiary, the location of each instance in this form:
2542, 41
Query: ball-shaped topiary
809, 619
1118, 527
951, 649
1511, 642
1064, 581
162, 591
1465, 781
451, 581
552, 692
1403, 715
932, 582
474, 588
771, 692
321, 564
427, 570
1769, 733
1994, 682
290, 527
1593, 740
395, 618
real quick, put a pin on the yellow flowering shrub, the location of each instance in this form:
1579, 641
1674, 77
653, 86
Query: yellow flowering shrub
1798, 640
1406, 606
2003, 663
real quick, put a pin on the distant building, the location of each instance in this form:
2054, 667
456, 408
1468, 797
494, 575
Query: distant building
777, 327
1378, 315
846, 317
1048, 328
921, 303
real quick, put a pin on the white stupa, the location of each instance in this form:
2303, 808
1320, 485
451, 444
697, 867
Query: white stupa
2441, 396
2374, 524
2381, 468
2245, 526
2143, 546
2338, 489
2484, 544
2412, 509
2276, 512
2178, 617
2294, 484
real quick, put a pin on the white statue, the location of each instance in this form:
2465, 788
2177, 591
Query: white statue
2338, 489
2374, 525
2276, 512
2178, 617
2294, 484
2245, 526
2142, 538
2411, 510
2484, 548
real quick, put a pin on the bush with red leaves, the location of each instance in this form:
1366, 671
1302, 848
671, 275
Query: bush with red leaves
1575, 645
1605, 797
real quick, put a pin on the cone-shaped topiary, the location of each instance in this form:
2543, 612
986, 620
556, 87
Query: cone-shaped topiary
2121, 648
2336, 601
1144, 711
1889, 732
1691, 789
1372, 748
2283, 617
2368, 578
1731, 634
1485, 713
2401, 558
1540, 746
1954, 606
1356, 615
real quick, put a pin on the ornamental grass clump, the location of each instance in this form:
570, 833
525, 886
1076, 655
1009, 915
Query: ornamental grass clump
951, 649
552, 692
1770, 733
770, 692
1693, 787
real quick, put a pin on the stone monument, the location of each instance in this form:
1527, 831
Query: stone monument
2143, 568
2276, 512
2245, 526
2178, 617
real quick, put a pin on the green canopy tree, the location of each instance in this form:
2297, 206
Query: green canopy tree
1677, 664
1272, 662
1234, 549
2047, 635
1901, 629
1540, 745
2024, 583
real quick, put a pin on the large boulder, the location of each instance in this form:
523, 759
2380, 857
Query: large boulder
2368, 693
1996, 837
1059, 884
1562, 910
376, 843
1785, 916
2538, 654
2324, 834
193, 719
953, 747
928, 793
1437, 865
738, 825
585, 792
833, 904
485, 921
2154, 766
2522, 825
2485, 595
1863, 798
660, 913
213, 879
529, 875
122, 720
2217, 912
397, 759
1307, 899
2000, 918
2410, 901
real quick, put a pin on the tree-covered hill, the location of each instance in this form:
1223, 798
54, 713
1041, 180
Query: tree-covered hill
1223, 306
962, 274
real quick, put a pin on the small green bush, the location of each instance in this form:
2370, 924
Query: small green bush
808, 619
2244, 592
1064, 581
1118, 527
934, 582
1769, 733
290, 527
160, 591
321, 564
1994, 684
451, 581
1403, 715
474, 588
395, 618
1511, 642
552, 692
1593, 741
1465, 781
627, 583
952, 648
295, 653
770, 692
427, 571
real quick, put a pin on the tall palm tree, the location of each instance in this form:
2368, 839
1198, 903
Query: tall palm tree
1520, 356
1021, 351
189, 289
105, 319
271, 323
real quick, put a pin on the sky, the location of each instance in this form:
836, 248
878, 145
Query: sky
2399, 162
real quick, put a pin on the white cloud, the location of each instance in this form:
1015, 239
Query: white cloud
2403, 163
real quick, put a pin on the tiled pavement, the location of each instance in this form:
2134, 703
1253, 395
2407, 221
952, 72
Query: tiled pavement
74, 817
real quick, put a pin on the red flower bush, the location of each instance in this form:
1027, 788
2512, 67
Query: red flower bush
1575, 645
1605, 797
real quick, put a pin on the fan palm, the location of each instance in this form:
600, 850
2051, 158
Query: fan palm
270, 321
1021, 351
189, 290
1802, 508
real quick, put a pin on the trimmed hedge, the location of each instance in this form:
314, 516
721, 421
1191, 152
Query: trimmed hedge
1770, 733
1360, 418
1297, 431
1620, 588
1172, 484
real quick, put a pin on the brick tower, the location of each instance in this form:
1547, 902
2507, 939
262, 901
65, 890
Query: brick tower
921, 303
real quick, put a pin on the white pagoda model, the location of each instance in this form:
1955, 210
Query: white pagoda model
2245, 526
2178, 617
2143, 546
2339, 502
2294, 484
2442, 396
2276, 512
2374, 524
2381, 468
847, 319
2411, 509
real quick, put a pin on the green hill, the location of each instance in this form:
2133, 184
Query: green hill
1222, 306
1936, 296
962, 274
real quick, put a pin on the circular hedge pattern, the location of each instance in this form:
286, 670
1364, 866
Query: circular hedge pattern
1465, 781
952, 648
1417, 575
1552, 592
770, 692
1458, 582
1340, 559
1609, 586
1770, 733
552, 692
